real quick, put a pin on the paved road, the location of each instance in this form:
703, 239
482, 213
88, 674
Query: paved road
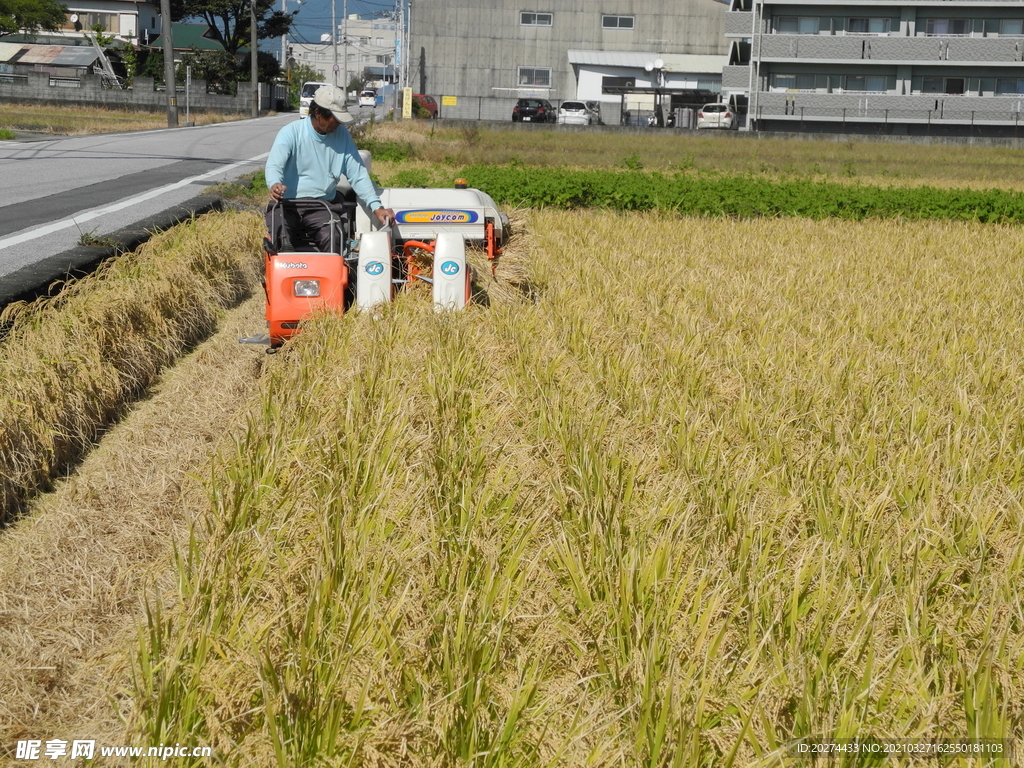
54, 191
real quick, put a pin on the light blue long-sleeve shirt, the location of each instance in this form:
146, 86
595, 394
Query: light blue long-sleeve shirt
310, 165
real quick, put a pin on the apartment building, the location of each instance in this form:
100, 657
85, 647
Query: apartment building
365, 45
942, 67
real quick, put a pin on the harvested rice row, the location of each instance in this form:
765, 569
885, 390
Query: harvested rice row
70, 365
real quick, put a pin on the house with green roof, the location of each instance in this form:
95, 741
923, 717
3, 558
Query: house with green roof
187, 37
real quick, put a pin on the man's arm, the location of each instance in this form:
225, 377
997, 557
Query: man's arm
357, 175
276, 160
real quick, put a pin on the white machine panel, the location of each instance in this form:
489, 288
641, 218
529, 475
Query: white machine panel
373, 278
451, 273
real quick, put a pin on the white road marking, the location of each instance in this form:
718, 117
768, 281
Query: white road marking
74, 221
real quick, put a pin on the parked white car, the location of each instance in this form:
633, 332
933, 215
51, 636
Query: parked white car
368, 98
574, 113
717, 116
306, 96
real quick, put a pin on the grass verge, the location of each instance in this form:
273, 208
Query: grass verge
70, 364
80, 121
693, 504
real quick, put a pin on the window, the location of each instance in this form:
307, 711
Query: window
947, 27
1008, 85
795, 82
873, 83
1011, 27
538, 76
798, 25
617, 84
617, 22
951, 86
530, 19
88, 19
868, 26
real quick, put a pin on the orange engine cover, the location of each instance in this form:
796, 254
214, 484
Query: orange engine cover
292, 281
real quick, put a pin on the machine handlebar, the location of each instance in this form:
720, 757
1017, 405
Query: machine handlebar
337, 213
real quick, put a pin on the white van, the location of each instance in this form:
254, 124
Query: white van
306, 96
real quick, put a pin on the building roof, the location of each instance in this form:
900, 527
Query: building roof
186, 36
674, 62
53, 55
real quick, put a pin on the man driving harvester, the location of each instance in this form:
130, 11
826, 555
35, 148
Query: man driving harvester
307, 160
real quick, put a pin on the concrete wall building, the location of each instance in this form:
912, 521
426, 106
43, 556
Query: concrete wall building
942, 67
506, 50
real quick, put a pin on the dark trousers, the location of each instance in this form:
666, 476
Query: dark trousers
307, 223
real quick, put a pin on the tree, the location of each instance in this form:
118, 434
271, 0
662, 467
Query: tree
229, 19
301, 73
30, 15
222, 71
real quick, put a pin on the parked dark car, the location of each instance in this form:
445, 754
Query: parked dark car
534, 111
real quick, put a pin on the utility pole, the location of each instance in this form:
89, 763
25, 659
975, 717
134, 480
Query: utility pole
284, 40
172, 89
334, 41
396, 73
344, 42
408, 42
254, 77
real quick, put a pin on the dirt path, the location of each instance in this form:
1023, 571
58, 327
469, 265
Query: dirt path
73, 572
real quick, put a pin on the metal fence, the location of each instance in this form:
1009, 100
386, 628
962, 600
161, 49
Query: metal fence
886, 116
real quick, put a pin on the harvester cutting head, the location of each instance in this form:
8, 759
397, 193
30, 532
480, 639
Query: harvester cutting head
434, 222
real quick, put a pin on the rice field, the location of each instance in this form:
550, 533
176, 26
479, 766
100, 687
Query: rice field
701, 488
71, 365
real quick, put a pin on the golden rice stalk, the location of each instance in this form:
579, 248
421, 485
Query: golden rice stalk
71, 363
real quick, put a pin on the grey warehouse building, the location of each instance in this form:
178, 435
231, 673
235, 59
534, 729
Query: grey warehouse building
940, 67
501, 50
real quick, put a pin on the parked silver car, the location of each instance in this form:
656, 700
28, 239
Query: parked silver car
717, 116
574, 113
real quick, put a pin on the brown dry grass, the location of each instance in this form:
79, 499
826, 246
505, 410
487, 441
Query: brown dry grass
74, 571
82, 121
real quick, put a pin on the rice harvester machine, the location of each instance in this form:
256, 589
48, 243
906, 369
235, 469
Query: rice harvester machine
366, 264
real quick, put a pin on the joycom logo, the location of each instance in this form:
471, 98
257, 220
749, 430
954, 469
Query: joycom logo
439, 216
450, 268
374, 268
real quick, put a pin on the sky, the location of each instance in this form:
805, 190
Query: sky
314, 17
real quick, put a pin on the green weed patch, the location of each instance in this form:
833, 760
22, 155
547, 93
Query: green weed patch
738, 196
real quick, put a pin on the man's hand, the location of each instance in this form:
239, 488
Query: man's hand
277, 191
385, 216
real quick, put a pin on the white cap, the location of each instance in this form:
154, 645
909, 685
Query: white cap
331, 97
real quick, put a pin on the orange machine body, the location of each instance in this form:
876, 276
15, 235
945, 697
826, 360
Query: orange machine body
292, 279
